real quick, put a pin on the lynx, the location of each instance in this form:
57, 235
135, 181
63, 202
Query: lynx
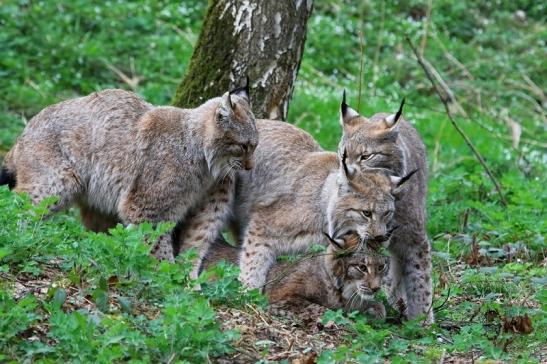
297, 192
119, 158
390, 143
345, 278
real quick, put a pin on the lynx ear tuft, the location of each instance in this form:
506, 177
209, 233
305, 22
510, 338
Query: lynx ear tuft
398, 182
391, 122
335, 244
346, 112
243, 91
344, 164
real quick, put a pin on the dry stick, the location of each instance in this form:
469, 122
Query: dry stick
481, 160
360, 70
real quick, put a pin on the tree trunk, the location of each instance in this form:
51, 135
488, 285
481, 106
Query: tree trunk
261, 39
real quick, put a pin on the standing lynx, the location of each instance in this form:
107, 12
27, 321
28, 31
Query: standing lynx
120, 158
297, 192
390, 143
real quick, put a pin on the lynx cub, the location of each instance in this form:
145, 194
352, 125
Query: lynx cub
297, 192
120, 158
344, 278
390, 143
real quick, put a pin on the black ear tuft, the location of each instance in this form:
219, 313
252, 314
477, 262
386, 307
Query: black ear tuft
406, 178
399, 112
344, 165
343, 105
243, 91
333, 242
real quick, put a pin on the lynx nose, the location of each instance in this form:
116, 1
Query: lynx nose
248, 164
375, 289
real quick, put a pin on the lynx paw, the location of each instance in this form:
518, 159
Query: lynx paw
376, 310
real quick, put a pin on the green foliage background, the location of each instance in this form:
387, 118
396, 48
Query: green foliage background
489, 53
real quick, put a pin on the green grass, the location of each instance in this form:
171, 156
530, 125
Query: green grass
101, 298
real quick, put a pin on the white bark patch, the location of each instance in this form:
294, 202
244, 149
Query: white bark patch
297, 4
227, 6
262, 43
243, 17
266, 75
277, 25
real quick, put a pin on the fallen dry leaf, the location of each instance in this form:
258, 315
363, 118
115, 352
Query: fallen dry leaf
518, 324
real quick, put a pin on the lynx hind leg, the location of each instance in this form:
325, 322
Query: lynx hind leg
95, 220
256, 257
55, 179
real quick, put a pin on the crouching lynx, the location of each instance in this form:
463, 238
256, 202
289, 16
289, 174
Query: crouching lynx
390, 143
297, 192
345, 278
120, 158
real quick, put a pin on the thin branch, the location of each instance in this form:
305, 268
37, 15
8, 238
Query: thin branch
379, 44
360, 70
424, 64
426, 27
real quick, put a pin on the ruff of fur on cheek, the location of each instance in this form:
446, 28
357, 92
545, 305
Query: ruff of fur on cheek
219, 167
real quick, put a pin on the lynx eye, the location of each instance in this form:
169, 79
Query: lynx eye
388, 213
366, 157
382, 267
363, 269
367, 214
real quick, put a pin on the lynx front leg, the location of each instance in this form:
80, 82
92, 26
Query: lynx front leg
417, 282
204, 227
411, 277
131, 211
163, 248
374, 309
257, 255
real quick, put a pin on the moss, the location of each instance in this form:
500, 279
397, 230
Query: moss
208, 74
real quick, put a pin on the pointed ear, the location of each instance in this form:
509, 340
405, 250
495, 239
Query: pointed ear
346, 112
398, 182
226, 107
392, 121
243, 91
334, 243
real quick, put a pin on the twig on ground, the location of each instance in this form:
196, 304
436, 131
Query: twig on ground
258, 314
441, 306
444, 96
